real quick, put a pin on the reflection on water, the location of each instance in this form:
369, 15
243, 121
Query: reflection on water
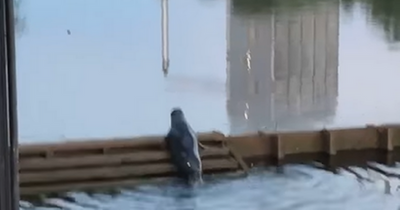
92, 70
299, 65
289, 65
20, 21
104, 79
385, 14
165, 41
283, 68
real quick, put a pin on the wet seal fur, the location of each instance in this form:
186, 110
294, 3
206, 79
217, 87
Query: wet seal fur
183, 145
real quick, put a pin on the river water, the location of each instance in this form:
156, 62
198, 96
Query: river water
93, 69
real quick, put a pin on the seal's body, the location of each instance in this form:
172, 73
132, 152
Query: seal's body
182, 144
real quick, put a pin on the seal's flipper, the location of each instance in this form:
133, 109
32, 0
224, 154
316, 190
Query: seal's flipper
172, 134
166, 143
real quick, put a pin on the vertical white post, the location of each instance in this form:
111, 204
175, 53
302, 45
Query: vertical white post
164, 26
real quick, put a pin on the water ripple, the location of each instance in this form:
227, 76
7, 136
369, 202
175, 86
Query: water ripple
293, 187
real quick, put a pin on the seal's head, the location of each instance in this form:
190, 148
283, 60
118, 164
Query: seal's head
177, 113
177, 116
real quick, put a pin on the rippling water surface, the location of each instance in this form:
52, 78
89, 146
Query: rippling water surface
93, 69
298, 187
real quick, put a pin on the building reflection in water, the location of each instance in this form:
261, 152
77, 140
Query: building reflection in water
282, 68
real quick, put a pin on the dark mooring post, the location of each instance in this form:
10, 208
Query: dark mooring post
9, 184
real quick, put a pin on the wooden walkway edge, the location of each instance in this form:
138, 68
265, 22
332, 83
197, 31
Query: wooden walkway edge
85, 165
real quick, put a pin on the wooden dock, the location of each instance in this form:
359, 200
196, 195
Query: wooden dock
103, 164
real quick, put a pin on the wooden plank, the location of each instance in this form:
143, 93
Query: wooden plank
384, 137
278, 146
84, 186
91, 144
236, 155
355, 139
106, 160
302, 142
116, 172
329, 142
343, 136
393, 133
250, 145
108, 143
388, 141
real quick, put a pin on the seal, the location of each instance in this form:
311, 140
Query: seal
183, 146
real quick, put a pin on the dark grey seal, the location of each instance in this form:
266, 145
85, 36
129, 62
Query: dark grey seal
183, 146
